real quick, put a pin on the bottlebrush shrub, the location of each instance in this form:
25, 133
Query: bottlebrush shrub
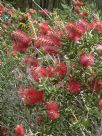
51, 72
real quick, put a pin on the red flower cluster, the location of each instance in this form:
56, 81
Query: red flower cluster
30, 13
22, 41
30, 61
48, 39
38, 72
87, 60
82, 13
99, 48
76, 30
19, 130
98, 27
52, 50
61, 69
74, 87
100, 104
31, 96
1, 9
78, 3
96, 84
52, 109
43, 27
96, 24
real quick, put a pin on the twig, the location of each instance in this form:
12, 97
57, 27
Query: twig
41, 8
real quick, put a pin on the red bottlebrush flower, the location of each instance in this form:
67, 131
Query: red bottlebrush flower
4, 26
56, 33
1, 33
34, 75
43, 40
19, 130
98, 27
1, 13
10, 21
20, 17
39, 72
20, 36
32, 11
53, 115
52, 105
22, 41
99, 49
84, 13
91, 26
96, 84
52, 50
78, 3
8, 11
74, 87
100, 42
77, 11
44, 72
95, 25
21, 90
100, 104
43, 27
73, 65
83, 23
30, 96
87, 60
1, 63
50, 70
76, 30
28, 15
1, 7
35, 22
82, 52
56, 41
30, 61
20, 47
61, 69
